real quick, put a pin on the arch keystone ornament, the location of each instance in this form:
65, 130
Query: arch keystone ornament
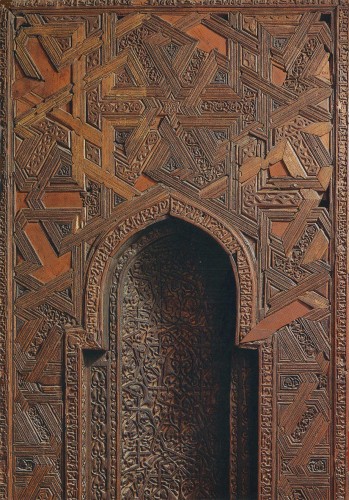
124, 122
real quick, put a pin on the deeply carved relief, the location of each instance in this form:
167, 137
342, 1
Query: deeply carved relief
341, 267
230, 113
182, 209
171, 355
170, 359
99, 432
5, 280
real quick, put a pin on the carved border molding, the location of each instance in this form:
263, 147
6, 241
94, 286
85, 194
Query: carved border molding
75, 341
175, 3
266, 439
5, 414
340, 322
155, 210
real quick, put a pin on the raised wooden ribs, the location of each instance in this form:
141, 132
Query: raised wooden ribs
223, 118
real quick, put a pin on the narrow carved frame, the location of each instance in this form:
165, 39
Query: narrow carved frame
340, 243
6, 219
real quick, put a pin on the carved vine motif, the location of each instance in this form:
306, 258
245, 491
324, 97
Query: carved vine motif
229, 111
51, 318
92, 199
193, 68
166, 348
98, 432
39, 424
292, 266
303, 337
135, 40
246, 107
207, 172
304, 424
50, 133
293, 81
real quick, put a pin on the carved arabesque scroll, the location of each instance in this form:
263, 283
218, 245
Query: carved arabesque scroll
171, 371
224, 109
97, 308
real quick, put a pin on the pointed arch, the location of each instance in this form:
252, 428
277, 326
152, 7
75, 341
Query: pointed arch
159, 207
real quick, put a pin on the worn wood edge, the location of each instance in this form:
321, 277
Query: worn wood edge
341, 221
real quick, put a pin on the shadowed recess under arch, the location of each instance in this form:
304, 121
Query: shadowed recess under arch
182, 398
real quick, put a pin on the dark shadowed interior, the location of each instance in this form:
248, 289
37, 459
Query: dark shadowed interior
187, 398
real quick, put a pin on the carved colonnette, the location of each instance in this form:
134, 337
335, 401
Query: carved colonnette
110, 104
267, 436
75, 342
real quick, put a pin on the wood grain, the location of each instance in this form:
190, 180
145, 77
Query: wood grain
218, 115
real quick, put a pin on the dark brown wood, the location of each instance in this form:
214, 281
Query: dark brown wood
171, 375
224, 120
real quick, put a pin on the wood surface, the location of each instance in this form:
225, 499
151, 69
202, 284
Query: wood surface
232, 117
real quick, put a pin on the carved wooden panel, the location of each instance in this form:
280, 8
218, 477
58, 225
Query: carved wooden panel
173, 364
175, 360
227, 114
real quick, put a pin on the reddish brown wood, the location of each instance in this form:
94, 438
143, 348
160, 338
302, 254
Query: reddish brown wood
220, 115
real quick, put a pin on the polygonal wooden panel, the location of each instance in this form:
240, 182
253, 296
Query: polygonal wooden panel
224, 117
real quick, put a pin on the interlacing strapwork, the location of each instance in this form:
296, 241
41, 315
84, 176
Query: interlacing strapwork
231, 110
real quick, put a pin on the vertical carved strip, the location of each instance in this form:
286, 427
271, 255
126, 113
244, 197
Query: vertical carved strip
99, 433
84, 442
245, 430
246, 313
113, 381
341, 253
73, 413
234, 412
5, 414
266, 423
